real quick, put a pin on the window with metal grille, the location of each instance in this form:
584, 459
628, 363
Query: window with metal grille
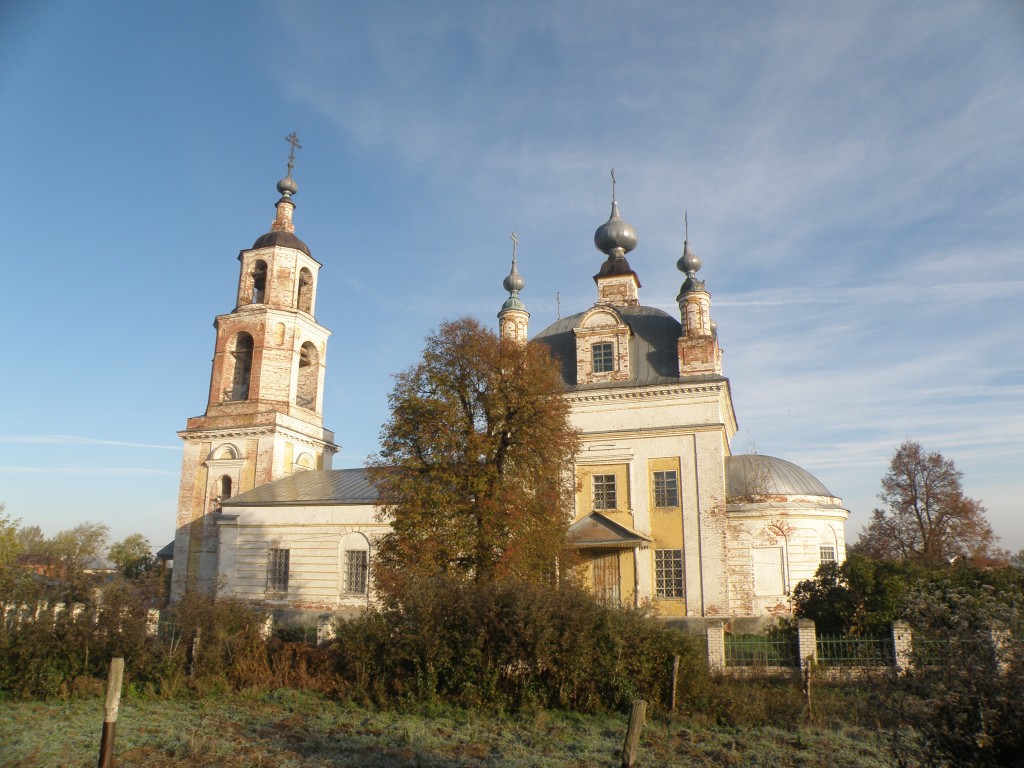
604, 491
603, 356
827, 553
666, 489
668, 572
277, 570
356, 567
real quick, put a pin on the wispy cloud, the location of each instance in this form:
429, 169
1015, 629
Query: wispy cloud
78, 440
87, 471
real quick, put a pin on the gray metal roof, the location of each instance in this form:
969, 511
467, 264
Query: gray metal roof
756, 475
332, 486
653, 350
282, 238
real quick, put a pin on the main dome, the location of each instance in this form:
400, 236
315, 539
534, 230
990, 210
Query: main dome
752, 474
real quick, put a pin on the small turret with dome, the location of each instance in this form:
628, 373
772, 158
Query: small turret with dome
513, 318
698, 346
617, 283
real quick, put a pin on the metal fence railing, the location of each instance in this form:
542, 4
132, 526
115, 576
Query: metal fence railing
847, 651
760, 651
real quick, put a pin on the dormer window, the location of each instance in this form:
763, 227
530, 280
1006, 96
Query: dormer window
603, 356
602, 347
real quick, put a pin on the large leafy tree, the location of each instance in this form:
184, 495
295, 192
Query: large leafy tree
133, 555
474, 471
926, 517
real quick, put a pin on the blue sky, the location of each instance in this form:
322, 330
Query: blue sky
852, 172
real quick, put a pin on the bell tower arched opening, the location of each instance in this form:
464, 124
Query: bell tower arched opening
309, 376
242, 369
305, 298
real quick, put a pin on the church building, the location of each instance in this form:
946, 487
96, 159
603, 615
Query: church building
665, 514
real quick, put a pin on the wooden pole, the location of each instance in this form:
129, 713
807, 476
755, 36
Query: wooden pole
110, 712
636, 724
675, 678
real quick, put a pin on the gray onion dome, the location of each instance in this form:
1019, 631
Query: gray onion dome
615, 233
514, 282
689, 263
287, 186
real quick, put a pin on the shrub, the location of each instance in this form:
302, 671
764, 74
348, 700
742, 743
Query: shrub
962, 704
510, 645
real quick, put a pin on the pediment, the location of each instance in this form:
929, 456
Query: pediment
595, 531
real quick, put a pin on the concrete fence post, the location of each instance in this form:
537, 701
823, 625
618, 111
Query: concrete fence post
267, 628
716, 645
325, 630
902, 646
152, 622
1001, 639
807, 642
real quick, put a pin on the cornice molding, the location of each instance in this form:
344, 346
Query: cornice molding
655, 392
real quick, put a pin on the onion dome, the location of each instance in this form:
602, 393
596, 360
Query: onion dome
287, 186
615, 234
513, 283
689, 264
615, 238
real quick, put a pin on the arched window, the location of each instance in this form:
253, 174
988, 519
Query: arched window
243, 367
309, 376
305, 302
259, 281
225, 488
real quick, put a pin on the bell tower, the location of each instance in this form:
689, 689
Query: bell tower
264, 414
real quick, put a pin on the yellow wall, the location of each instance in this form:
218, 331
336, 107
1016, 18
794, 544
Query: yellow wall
666, 530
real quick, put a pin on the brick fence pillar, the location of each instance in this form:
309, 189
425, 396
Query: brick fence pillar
716, 645
807, 641
902, 646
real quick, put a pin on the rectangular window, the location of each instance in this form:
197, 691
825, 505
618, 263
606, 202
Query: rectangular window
827, 553
277, 570
668, 572
666, 489
356, 567
604, 492
603, 356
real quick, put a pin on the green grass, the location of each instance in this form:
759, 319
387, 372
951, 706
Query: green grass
293, 729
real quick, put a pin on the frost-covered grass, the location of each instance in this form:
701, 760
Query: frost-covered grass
294, 729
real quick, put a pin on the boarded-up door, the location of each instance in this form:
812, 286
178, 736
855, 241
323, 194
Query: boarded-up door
606, 577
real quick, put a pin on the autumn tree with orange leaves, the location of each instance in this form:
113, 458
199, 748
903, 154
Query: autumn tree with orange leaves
474, 471
927, 518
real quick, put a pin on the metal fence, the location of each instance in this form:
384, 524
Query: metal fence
761, 651
847, 651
